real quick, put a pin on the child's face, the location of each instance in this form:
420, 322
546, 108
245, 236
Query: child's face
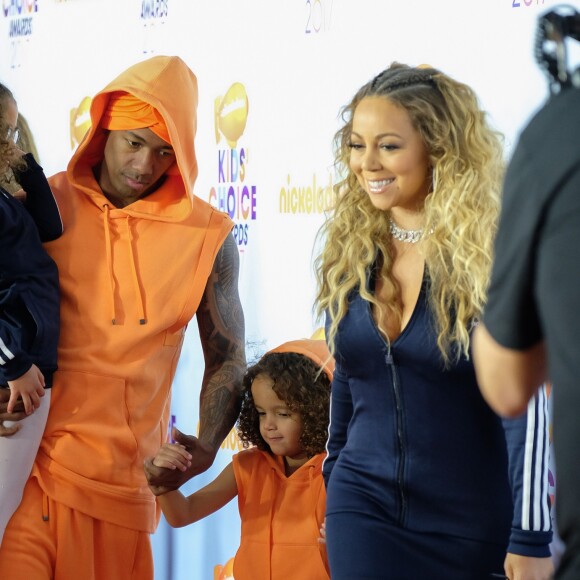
280, 428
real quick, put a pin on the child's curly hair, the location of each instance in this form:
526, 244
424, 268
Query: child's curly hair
302, 385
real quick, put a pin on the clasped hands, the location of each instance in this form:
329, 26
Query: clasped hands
165, 479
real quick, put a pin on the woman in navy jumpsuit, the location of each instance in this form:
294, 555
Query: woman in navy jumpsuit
424, 481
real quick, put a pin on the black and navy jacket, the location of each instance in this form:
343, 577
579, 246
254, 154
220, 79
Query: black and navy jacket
416, 442
29, 290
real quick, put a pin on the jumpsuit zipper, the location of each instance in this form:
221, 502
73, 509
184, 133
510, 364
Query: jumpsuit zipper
400, 438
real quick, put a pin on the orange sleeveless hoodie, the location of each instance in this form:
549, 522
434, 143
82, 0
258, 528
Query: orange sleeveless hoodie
281, 518
144, 266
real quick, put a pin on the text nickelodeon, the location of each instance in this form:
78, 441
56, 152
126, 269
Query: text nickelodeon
306, 199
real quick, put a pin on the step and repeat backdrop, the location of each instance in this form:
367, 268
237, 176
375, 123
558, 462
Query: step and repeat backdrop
273, 76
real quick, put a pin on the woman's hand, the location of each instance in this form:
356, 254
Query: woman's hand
528, 568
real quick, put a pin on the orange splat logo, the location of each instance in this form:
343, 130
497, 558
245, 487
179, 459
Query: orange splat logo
224, 572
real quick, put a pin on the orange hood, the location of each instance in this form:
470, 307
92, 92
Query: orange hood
153, 81
315, 350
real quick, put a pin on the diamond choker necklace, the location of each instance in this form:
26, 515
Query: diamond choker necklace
407, 236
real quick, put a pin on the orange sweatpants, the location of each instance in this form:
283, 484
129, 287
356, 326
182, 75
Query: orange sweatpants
46, 540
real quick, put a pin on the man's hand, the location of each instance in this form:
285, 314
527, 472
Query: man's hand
17, 415
162, 480
528, 568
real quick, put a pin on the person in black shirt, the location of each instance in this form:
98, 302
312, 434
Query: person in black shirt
530, 330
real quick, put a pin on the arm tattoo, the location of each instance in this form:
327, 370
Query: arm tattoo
220, 320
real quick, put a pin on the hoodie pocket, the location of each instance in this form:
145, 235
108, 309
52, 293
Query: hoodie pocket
173, 338
89, 426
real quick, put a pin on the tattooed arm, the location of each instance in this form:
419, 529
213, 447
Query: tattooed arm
221, 328
220, 320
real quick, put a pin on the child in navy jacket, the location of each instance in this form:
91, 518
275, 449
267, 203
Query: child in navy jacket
29, 308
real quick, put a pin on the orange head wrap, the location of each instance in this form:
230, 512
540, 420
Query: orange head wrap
125, 112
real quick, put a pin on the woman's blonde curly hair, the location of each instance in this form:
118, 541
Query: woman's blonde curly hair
461, 210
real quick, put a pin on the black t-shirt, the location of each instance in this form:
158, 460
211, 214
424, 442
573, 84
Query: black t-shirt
538, 220
535, 287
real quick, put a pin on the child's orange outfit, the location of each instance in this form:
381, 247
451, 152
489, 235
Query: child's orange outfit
281, 518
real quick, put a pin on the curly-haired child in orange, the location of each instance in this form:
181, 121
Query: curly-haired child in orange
278, 477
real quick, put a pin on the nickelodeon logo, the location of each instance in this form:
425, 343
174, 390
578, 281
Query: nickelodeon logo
80, 121
231, 442
231, 114
306, 199
238, 199
224, 572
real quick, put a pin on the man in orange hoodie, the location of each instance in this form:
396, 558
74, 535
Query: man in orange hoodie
140, 256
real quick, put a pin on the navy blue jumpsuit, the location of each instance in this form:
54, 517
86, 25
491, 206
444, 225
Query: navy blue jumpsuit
424, 481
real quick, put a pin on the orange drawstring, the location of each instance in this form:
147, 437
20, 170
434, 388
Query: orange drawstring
109, 255
108, 252
45, 512
138, 293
